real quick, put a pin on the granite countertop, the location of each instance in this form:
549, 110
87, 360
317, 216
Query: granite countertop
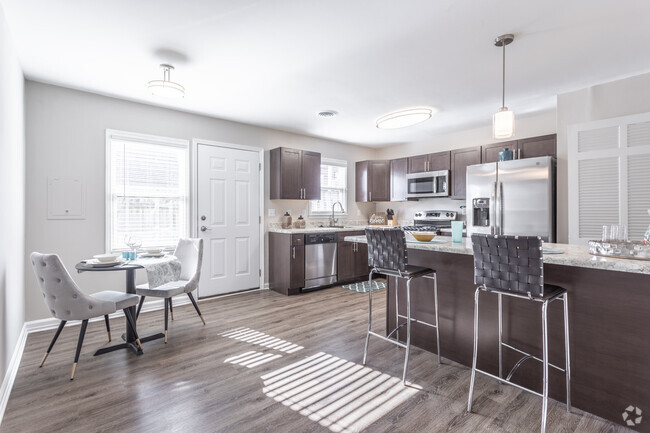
574, 255
317, 230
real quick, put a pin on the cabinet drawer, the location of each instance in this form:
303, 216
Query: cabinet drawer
298, 239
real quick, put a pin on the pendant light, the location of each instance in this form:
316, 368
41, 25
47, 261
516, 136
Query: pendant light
165, 87
503, 121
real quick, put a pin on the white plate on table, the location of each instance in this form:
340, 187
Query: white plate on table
97, 264
152, 255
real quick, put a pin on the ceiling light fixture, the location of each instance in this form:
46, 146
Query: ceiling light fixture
165, 87
503, 121
327, 113
404, 118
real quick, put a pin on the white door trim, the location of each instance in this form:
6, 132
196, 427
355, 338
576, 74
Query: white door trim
194, 173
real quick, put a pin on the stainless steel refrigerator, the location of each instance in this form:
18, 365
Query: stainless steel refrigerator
514, 197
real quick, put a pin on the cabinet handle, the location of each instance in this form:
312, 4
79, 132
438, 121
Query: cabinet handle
369, 195
293, 253
519, 153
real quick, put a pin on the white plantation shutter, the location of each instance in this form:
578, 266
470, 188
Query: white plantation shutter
609, 176
334, 187
147, 191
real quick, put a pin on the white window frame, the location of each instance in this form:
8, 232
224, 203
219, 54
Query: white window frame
622, 152
113, 134
323, 214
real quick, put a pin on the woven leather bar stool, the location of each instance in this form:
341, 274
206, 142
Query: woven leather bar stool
513, 266
387, 255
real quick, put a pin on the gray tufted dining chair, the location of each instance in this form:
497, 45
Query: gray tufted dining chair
66, 302
190, 253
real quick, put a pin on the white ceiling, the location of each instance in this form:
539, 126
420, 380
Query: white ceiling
276, 63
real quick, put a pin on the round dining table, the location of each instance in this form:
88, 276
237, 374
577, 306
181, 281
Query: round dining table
128, 337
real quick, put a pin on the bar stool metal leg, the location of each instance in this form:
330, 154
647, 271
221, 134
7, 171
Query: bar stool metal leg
408, 329
567, 365
471, 383
435, 299
396, 311
365, 350
545, 364
500, 335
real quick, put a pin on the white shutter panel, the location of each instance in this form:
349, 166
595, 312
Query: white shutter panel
638, 134
598, 195
598, 139
638, 190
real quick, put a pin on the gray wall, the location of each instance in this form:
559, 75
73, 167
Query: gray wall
65, 136
12, 196
614, 99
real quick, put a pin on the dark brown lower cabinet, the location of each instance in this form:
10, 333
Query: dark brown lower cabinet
352, 258
286, 263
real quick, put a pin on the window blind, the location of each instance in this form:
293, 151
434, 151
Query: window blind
148, 193
334, 186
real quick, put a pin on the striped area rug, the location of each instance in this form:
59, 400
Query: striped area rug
363, 286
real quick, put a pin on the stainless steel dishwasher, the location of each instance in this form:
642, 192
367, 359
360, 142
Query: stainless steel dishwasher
320, 259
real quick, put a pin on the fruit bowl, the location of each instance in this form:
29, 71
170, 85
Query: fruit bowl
423, 236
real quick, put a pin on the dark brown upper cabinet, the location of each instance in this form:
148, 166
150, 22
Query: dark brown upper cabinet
429, 162
295, 174
460, 160
398, 182
545, 145
372, 180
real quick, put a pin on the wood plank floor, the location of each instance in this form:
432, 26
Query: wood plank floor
264, 363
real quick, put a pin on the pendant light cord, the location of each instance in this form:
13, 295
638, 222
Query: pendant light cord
503, 85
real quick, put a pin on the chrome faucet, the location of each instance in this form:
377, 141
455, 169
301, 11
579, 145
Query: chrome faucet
334, 221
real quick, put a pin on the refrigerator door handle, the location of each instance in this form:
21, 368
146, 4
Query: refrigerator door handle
493, 218
500, 209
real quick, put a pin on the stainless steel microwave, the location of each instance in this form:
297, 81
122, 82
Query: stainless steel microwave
428, 184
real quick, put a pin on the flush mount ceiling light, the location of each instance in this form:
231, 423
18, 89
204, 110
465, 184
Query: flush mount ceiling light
503, 121
404, 118
165, 87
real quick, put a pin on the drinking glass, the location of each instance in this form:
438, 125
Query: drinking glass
613, 232
605, 235
622, 233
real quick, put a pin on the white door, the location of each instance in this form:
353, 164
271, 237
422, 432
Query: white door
228, 193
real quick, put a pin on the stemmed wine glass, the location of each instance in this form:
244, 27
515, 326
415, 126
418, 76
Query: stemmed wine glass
133, 243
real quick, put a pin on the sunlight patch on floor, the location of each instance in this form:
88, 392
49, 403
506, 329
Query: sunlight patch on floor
341, 395
261, 339
252, 359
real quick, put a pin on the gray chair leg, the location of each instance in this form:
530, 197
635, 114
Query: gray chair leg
56, 335
139, 307
365, 349
108, 327
408, 329
82, 333
471, 382
567, 349
131, 321
171, 309
545, 365
166, 317
196, 307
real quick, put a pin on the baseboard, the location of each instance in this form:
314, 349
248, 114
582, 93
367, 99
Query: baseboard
12, 370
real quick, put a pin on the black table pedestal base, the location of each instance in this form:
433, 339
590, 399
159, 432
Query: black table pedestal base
129, 345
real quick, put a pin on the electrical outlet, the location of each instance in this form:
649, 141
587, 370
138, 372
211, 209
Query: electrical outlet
271, 212
358, 212
304, 213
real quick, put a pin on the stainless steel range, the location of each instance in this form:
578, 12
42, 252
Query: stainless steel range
432, 220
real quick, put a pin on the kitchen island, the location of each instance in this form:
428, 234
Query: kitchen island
609, 317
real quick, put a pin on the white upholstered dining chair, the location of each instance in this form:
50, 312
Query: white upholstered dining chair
66, 302
190, 253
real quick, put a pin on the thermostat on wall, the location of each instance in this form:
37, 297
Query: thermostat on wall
66, 198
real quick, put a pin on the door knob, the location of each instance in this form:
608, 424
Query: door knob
204, 228
202, 217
